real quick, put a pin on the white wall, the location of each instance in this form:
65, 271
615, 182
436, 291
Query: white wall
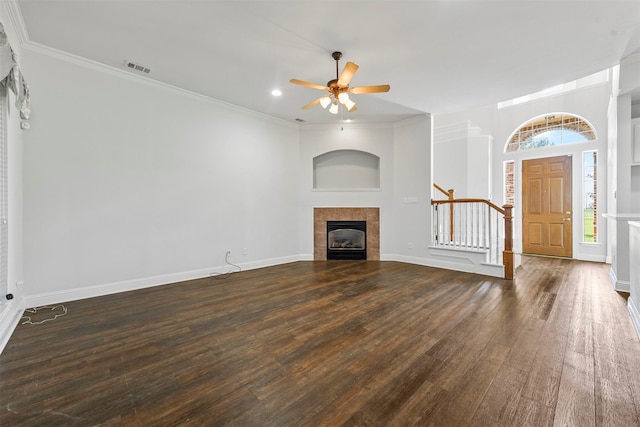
591, 103
129, 183
412, 189
462, 160
635, 189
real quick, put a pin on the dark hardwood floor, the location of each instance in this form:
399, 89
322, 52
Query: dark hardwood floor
336, 343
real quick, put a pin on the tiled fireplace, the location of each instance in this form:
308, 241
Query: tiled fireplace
323, 215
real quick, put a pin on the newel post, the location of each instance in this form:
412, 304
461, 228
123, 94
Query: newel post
507, 254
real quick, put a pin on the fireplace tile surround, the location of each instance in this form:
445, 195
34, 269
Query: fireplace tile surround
322, 215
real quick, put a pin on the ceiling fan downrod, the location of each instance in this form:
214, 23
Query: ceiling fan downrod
337, 55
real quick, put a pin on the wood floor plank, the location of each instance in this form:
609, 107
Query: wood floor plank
612, 380
576, 400
501, 401
332, 343
470, 390
524, 348
532, 413
544, 378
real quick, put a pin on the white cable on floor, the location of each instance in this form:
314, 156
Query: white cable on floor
34, 310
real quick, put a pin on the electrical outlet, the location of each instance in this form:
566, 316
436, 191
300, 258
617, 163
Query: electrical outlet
410, 245
228, 252
244, 251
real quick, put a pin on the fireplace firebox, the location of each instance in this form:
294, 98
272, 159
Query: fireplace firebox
347, 240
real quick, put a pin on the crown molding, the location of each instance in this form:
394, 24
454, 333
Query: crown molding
341, 126
140, 79
14, 14
415, 119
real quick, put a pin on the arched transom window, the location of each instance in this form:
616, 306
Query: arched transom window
550, 130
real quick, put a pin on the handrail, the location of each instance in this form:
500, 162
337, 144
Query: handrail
506, 211
442, 190
487, 202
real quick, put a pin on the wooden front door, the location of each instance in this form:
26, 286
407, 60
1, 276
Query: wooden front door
546, 206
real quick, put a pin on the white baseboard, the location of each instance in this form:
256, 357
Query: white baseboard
9, 318
462, 264
592, 258
613, 277
147, 282
635, 314
619, 285
622, 286
517, 260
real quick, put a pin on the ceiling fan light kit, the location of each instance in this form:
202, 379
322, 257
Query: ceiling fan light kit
325, 101
338, 88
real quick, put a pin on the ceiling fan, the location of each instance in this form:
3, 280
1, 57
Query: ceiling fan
339, 89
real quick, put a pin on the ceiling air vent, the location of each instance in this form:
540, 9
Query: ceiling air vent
137, 67
299, 120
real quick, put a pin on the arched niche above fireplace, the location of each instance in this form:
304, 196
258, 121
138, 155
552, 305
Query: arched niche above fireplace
346, 169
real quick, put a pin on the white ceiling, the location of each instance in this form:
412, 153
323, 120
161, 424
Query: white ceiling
438, 56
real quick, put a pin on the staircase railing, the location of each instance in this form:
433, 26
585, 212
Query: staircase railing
474, 224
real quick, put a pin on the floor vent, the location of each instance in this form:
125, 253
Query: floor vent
137, 67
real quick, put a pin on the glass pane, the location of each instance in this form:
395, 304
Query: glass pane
589, 196
551, 130
346, 239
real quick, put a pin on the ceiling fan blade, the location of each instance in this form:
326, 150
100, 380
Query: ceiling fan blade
369, 89
312, 103
347, 74
307, 84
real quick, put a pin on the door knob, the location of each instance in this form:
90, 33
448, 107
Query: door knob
566, 219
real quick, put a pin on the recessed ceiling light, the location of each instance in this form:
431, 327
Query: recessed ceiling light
347, 120
276, 92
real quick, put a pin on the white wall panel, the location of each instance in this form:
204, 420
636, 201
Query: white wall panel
127, 180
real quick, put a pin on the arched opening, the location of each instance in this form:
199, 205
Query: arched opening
346, 169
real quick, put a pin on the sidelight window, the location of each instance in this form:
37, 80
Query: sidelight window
589, 196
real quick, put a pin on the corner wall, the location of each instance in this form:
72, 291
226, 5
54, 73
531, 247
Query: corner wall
317, 140
404, 150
